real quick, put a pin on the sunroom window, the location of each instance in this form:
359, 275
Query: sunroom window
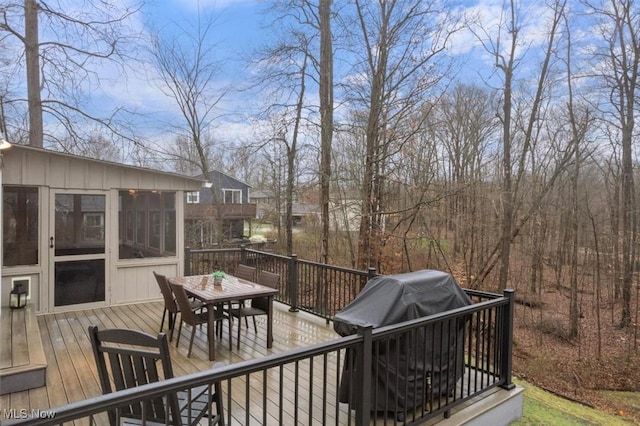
20, 225
147, 224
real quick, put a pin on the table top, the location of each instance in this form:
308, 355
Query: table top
232, 288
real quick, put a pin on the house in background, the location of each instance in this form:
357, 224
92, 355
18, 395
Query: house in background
345, 214
344, 208
303, 214
84, 233
266, 202
222, 204
267, 208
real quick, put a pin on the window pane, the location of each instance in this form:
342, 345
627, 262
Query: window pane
154, 229
193, 197
232, 196
79, 282
170, 222
125, 216
20, 225
153, 223
170, 232
79, 224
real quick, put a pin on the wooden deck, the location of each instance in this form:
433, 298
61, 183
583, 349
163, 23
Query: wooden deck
22, 362
71, 374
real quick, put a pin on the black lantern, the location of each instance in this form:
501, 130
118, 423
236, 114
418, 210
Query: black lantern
18, 296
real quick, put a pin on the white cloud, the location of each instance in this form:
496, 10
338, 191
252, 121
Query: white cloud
489, 34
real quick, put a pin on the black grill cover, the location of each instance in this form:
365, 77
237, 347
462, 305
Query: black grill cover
405, 363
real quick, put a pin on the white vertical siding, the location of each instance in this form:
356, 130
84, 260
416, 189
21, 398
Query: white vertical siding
127, 280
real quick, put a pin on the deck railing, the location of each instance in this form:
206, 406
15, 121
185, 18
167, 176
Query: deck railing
404, 373
309, 286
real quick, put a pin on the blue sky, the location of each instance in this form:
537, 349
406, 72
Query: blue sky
238, 22
238, 29
240, 26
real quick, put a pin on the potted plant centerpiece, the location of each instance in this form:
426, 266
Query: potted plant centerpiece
218, 276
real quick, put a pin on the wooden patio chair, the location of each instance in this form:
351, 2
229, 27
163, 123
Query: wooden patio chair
248, 273
132, 358
259, 306
170, 304
194, 318
245, 272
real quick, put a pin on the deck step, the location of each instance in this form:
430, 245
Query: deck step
23, 363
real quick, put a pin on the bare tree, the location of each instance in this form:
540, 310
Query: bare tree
183, 155
32, 55
284, 72
188, 65
579, 122
396, 45
275, 176
292, 152
466, 124
618, 61
326, 120
63, 49
301, 57
507, 61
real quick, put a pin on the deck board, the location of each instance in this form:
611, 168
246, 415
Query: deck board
5, 336
72, 376
19, 352
23, 362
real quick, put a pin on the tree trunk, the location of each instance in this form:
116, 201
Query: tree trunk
507, 194
32, 55
292, 153
378, 67
573, 299
326, 121
598, 282
628, 224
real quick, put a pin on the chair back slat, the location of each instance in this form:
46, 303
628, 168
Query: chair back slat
148, 365
118, 371
269, 279
118, 336
245, 272
167, 294
183, 303
128, 367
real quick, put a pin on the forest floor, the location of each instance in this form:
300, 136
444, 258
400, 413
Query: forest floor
545, 356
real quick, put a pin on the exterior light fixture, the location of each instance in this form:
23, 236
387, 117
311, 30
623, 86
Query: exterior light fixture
4, 144
18, 296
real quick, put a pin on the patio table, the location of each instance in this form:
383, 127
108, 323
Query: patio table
232, 289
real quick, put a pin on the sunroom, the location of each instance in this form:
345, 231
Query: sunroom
77, 232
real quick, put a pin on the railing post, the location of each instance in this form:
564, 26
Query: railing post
507, 340
187, 261
293, 282
371, 273
363, 377
243, 254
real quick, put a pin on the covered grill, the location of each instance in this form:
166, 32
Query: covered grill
406, 369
